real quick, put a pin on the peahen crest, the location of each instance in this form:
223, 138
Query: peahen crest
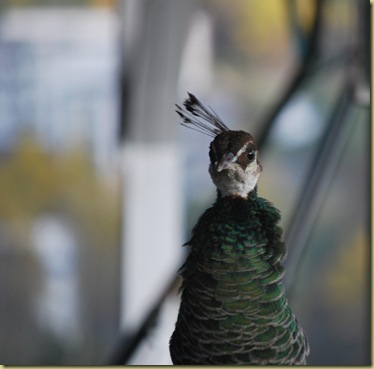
199, 118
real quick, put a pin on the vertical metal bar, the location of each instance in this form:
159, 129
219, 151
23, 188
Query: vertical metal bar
153, 33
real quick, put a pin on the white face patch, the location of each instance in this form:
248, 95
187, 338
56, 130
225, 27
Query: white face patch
229, 158
234, 181
244, 148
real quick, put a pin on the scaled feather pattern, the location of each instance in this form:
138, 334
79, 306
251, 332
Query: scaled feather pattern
234, 310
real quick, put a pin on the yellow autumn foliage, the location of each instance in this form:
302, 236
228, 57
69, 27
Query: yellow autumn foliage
348, 275
34, 181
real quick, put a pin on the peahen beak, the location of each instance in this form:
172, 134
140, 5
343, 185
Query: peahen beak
226, 161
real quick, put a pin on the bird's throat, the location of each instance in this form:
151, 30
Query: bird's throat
236, 183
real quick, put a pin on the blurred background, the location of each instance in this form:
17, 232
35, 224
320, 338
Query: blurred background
100, 186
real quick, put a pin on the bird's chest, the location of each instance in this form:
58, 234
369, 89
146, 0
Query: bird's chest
236, 238
231, 255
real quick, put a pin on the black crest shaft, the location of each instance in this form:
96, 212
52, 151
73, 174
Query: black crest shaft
199, 118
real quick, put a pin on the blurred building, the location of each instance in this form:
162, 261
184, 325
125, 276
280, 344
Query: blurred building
58, 79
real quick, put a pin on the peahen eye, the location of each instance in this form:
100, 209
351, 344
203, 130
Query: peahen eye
251, 155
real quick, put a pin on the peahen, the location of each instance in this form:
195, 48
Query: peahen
233, 306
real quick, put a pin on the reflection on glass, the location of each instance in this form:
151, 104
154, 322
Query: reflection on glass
332, 294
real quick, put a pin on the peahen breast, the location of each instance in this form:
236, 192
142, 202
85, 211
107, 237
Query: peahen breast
233, 306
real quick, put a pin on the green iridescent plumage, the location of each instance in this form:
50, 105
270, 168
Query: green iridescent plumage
234, 310
233, 305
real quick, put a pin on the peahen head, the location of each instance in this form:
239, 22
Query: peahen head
234, 165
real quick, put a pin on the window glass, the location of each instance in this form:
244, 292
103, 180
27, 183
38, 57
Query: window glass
330, 291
